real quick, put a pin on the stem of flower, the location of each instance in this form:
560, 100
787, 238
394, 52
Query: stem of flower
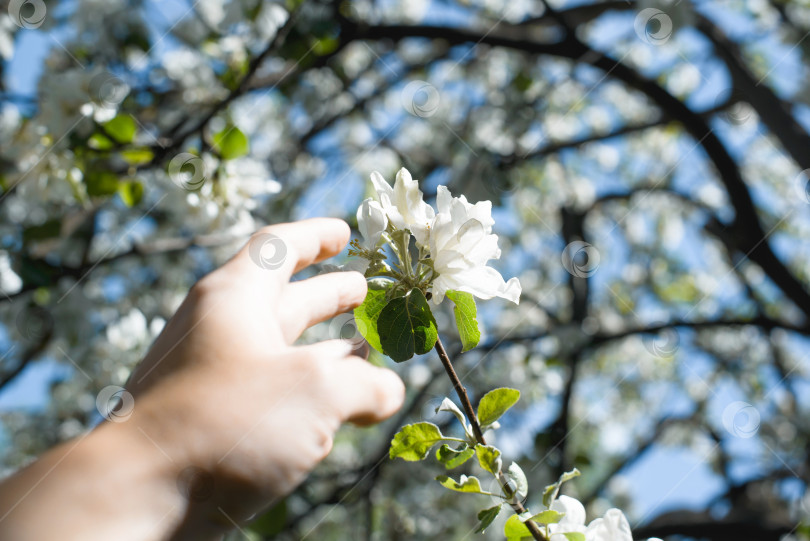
517, 506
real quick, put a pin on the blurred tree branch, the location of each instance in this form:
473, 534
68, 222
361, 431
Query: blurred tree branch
775, 113
746, 231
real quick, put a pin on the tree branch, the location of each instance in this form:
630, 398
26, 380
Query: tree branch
773, 112
155, 247
719, 530
553, 148
517, 506
746, 229
660, 427
763, 322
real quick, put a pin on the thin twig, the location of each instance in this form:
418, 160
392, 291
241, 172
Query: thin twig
517, 506
461, 392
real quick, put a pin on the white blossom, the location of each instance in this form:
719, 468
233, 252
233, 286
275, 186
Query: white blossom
70, 95
10, 281
458, 238
372, 222
6, 38
461, 244
247, 181
612, 527
404, 205
129, 331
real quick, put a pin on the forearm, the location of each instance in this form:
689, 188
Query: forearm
112, 483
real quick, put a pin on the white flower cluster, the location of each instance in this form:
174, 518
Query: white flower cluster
456, 238
612, 527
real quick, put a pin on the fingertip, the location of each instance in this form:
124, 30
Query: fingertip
345, 229
334, 234
396, 394
340, 231
388, 394
293, 246
358, 285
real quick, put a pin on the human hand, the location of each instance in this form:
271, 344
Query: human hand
224, 389
229, 415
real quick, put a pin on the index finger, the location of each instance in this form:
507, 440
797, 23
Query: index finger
287, 248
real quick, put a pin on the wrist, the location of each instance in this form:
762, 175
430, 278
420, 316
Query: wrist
134, 479
174, 453
109, 483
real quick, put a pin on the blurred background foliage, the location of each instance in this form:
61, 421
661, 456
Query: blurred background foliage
664, 355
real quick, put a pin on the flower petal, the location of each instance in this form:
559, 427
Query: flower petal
382, 187
385, 195
443, 199
408, 199
613, 527
483, 282
371, 221
574, 511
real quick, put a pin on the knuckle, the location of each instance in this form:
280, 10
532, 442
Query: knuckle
270, 248
213, 283
204, 287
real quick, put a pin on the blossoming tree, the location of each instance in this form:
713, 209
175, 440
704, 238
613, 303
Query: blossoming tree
647, 168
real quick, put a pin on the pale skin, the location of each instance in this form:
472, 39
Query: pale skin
229, 416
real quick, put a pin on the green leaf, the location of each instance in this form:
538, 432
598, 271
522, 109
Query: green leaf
137, 156
551, 491
489, 458
465, 484
325, 46
99, 141
515, 530
231, 143
234, 75
377, 359
406, 326
522, 81
453, 458
549, 516
365, 316
413, 442
486, 516
518, 478
101, 182
272, 521
450, 406
495, 403
466, 321
48, 230
131, 192
37, 272
574, 536
122, 128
